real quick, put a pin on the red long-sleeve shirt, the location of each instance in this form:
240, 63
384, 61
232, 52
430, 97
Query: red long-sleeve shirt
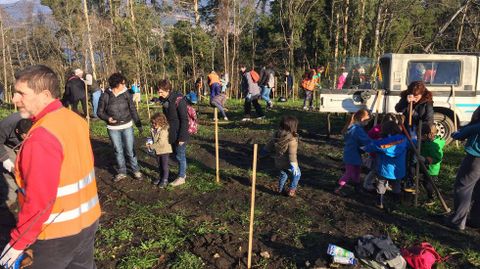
39, 161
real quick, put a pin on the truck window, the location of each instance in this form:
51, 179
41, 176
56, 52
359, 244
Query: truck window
434, 72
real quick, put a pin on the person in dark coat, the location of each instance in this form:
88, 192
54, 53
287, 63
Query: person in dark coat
117, 109
13, 130
175, 109
289, 80
75, 93
422, 100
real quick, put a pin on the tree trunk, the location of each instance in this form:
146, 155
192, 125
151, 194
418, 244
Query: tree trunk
194, 69
345, 29
90, 46
195, 11
377, 30
335, 55
5, 83
460, 32
362, 27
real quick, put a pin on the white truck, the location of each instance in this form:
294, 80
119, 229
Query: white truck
454, 80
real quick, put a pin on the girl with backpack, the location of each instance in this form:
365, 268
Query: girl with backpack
355, 137
284, 145
160, 146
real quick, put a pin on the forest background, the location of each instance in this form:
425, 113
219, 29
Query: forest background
183, 40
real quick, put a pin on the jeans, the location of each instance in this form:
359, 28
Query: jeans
247, 107
123, 141
95, 99
284, 173
180, 154
308, 98
266, 94
219, 106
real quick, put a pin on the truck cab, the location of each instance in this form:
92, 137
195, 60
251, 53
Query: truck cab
453, 80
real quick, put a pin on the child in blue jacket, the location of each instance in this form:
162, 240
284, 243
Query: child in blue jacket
391, 159
355, 137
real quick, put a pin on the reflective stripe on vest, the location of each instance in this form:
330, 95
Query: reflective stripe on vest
72, 214
76, 187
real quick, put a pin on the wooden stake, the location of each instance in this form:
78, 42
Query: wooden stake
148, 102
417, 168
410, 110
217, 157
454, 105
87, 113
252, 206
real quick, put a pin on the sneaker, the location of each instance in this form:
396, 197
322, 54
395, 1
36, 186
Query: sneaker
156, 182
246, 119
260, 117
163, 185
410, 189
305, 108
177, 182
448, 223
429, 202
137, 175
225, 118
119, 177
379, 205
291, 193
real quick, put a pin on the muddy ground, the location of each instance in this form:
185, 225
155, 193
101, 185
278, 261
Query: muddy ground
202, 223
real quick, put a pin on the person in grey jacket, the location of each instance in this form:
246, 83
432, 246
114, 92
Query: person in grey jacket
251, 90
117, 109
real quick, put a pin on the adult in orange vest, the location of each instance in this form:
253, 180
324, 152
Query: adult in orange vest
59, 207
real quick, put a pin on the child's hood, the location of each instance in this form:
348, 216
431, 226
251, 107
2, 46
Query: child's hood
281, 140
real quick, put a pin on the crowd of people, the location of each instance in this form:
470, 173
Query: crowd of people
49, 159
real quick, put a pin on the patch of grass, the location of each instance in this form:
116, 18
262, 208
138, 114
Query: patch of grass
187, 260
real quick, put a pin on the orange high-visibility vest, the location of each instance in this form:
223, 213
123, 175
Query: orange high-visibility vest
76, 206
213, 78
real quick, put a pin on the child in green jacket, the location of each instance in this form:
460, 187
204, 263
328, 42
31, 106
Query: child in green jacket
432, 150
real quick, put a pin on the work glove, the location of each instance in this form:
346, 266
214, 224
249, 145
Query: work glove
456, 135
248, 97
9, 256
294, 169
8, 165
421, 159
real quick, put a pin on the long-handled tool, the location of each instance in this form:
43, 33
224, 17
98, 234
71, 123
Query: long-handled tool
425, 170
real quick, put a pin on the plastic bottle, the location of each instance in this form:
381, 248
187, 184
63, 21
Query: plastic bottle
334, 250
344, 260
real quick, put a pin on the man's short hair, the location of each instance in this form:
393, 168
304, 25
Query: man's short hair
115, 79
39, 78
164, 85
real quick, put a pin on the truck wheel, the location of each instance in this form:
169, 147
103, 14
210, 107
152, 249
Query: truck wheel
444, 125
